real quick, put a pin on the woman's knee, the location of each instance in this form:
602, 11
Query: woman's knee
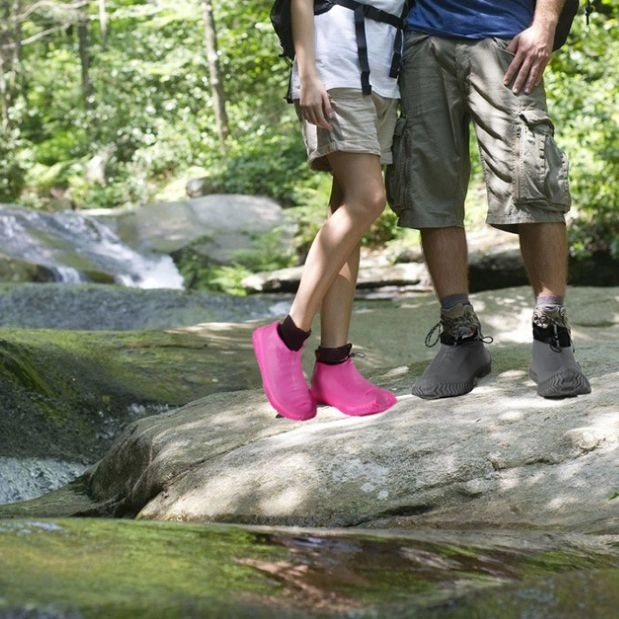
360, 182
373, 202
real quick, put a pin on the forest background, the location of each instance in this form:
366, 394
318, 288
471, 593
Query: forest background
118, 103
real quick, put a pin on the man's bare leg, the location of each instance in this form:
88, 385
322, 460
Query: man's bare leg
544, 253
446, 255
462, 357
553, 366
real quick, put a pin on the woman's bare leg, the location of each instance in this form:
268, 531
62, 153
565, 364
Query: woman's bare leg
328, 281
336, 308
359, 179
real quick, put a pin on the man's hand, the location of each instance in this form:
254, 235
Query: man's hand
532, 49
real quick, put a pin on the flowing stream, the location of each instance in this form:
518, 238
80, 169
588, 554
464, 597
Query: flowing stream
69, 247
72, 247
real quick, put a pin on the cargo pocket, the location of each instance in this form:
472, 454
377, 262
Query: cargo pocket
397, 176
541, 167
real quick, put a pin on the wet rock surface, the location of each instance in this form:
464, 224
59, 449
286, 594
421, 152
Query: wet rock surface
85, 568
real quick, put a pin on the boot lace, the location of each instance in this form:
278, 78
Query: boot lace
465, 326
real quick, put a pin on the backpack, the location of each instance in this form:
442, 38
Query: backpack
282, 24
566, 19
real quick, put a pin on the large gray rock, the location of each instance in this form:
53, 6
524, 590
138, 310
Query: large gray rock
219, 226
499, 456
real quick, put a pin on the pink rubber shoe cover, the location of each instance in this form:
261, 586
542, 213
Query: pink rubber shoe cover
344, 388
282, 375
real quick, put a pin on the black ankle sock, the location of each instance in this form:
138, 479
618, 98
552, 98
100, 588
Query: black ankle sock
291, 335
333, 356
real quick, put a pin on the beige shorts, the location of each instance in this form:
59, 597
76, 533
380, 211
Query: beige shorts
447, 86
360, 124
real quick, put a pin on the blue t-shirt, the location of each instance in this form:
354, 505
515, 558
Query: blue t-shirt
471, 19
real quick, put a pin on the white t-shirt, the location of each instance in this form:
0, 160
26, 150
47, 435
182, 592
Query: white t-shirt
337, 60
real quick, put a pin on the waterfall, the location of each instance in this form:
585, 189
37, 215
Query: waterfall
73, 247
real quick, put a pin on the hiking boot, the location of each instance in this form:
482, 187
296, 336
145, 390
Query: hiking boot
342, 386
282, 375
461, 359
553, 366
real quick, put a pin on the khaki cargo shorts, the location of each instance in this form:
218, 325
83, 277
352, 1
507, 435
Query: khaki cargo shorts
360, 124
446, 86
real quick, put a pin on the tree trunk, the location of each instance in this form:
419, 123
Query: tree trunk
11, 173
9, 55
84, 48
103, 23
217, 89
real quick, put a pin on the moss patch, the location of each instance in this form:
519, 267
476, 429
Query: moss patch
67, 394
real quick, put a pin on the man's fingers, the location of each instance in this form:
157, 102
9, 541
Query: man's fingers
523, 74
533, 80
522, 77
513, 71
526, 69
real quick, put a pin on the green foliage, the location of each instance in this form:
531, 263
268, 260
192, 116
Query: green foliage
584, 95
200, 273
12, 176
384, 229
267, 162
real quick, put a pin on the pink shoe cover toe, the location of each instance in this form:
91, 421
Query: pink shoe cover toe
282, 375
344, 388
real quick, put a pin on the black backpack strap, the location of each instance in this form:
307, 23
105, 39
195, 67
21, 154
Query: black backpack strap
361, 11
398, 45
371, 12
362, 50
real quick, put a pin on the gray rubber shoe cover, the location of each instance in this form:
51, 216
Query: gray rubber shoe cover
454, 371
556, 372
461, 360
553, 366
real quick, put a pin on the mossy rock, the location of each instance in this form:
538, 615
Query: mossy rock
68, 394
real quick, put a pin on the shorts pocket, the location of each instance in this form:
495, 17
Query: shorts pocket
397, 174
541, 167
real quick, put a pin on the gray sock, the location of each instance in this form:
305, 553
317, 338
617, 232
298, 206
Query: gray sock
452, 300
549, 301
